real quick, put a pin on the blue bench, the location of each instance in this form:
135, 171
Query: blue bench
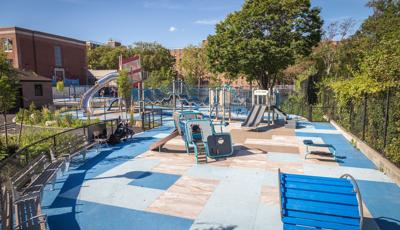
310, 143
310, 202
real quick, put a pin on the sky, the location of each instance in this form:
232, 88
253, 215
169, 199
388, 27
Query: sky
173, 23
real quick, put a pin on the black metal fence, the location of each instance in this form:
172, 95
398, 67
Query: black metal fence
25, 158
375, 119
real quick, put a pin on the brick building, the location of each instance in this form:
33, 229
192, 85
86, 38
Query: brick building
51, 56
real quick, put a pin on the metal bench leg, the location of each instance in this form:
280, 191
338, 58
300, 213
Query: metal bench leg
53, 183
306, 153
84, 155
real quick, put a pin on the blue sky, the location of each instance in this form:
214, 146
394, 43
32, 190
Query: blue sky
173, 23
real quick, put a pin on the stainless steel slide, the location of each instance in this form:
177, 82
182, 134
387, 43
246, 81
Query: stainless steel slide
280, 113
252, 114
88, 96
259, 116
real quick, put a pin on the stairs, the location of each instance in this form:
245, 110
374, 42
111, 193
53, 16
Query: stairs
201, 156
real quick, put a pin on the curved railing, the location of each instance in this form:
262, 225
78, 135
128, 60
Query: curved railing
357, 191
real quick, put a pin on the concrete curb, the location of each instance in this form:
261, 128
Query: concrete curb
381, 163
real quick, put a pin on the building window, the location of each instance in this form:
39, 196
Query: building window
8, 45
57, 56
38, 90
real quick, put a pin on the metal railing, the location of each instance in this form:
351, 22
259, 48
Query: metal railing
25, 158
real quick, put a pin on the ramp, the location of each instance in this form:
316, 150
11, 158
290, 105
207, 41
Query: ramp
158, 145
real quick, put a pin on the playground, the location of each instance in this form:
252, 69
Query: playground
223, 158
130, 185
217, 158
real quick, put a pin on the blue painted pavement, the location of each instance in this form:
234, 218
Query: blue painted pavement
71, 213
381, 198
154, 180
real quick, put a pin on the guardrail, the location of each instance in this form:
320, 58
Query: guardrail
25, 158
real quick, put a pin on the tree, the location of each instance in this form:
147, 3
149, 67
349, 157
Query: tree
153, 56
106, 57
8, 89
124, 88
193, 65
160, 78
264, 38
60, 88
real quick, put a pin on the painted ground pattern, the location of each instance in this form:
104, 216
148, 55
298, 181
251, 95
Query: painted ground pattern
128, 187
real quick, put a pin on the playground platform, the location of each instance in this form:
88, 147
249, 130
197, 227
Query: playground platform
126, 186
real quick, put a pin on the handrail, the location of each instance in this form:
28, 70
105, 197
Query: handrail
280, 191
357, 190
6, 160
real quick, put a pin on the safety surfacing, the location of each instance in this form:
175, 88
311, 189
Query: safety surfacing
126, 186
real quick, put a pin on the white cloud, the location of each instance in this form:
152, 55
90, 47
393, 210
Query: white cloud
207, 21
172, 29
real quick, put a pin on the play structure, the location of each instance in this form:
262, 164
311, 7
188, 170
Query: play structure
130, 65
176, 95
264, 101
311, 202
88, 96
226, 100
200, 133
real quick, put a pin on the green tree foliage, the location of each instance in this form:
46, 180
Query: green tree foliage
60, 86
155, 60
106, 57
160, 78
8, 88
153, 56
264, 38
124, 87
193, 65
361, 75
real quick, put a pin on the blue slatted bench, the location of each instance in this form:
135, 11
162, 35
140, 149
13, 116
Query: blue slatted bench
310, 143
319, 202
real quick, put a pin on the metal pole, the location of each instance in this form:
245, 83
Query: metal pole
387, 104
161, 116
223, 104
364, 117
216, 104
209, 101
173, 95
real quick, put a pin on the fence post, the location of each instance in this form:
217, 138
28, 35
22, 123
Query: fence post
142, 114
364, 117
149, 120
351, 115
152, 114
161, 116
387, 103
310, 111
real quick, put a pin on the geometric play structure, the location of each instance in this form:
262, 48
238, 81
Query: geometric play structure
261, 101
312, 202
200, 133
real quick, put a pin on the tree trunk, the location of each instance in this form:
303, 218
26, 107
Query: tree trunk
5, 127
